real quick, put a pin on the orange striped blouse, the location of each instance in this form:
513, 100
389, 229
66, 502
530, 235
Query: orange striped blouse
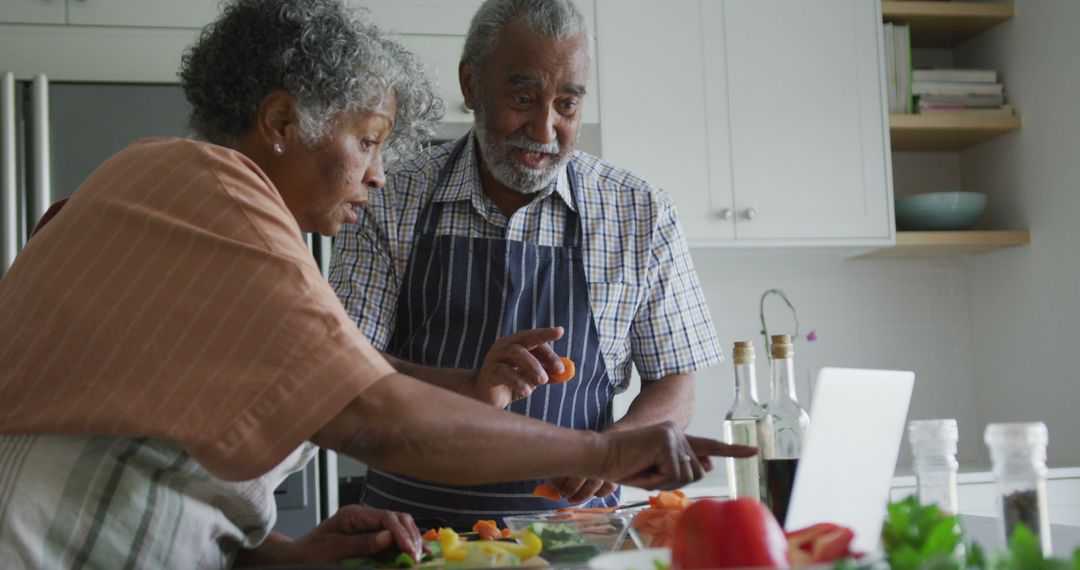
173, 296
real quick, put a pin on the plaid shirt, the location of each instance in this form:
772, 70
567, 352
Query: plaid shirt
646, 300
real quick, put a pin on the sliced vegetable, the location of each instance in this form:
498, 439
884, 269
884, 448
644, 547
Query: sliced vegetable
571, 554
669, 500
547, 491
430, 535
823, 542
740, 533
568, 372
556, 535
658, 522
489, 553
487, 530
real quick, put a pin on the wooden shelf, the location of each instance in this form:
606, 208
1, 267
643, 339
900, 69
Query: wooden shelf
950, 244
945, 131
945, 24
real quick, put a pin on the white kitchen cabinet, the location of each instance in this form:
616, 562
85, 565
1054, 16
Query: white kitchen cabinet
137, 13
763, 119
33, 11
143, 13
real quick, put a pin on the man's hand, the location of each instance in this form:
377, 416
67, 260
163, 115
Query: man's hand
579, 490
516, 365
662, 456
358, 531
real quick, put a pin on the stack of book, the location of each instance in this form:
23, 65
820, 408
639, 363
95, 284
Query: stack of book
967, 91
898, 67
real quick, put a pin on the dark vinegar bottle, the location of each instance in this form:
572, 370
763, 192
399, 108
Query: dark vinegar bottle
783, 429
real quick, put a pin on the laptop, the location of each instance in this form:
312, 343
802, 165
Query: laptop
857, 420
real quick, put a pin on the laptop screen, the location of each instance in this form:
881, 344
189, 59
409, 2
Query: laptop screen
857, 420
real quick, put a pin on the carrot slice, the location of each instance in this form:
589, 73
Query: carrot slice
487, 530
546, 491
506, 533
568, 371
430, 535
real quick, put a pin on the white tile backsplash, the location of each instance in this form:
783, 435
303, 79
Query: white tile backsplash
902, 314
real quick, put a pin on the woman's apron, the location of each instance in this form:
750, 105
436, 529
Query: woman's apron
460, 294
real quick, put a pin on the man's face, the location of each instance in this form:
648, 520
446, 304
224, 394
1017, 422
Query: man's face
528, 97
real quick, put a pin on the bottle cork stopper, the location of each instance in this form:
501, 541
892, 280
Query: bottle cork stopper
781, 346
743, 353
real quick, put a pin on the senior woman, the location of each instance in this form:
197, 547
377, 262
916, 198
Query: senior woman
169, 351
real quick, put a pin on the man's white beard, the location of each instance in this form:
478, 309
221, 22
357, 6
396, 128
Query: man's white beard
506, 169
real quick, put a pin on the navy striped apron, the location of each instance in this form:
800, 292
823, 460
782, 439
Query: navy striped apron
460, 294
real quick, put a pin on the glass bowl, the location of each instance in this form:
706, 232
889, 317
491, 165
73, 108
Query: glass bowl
574, 537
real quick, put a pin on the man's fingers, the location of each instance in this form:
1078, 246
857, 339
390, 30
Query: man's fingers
527, 365
567, 486
705, 446
506, 375
606, 489
532, 338
548, 359
586, 491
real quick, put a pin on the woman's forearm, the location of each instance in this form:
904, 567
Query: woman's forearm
402, 425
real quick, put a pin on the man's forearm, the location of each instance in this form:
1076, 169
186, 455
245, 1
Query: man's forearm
671, 399
457, 380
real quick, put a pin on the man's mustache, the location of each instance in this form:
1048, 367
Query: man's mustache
519, 140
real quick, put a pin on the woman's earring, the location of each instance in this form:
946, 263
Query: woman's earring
278, 149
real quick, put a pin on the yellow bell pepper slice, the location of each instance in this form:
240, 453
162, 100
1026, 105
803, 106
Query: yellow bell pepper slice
455, 550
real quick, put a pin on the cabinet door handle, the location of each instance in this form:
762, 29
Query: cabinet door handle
749, 213
724, 214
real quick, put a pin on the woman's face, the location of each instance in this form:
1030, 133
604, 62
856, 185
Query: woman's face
323, 184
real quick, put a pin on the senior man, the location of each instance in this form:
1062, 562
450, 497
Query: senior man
481, 252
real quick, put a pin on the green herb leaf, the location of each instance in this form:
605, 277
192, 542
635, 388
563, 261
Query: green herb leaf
1025, 548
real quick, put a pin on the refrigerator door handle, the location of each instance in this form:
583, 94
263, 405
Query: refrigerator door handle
9, 205
41, 175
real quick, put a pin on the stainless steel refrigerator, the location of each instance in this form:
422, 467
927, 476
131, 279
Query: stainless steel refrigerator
52, 136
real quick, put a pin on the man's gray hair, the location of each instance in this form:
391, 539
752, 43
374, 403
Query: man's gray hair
323, 54
559, 19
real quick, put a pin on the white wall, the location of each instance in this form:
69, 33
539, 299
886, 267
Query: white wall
1025, 302
899, 314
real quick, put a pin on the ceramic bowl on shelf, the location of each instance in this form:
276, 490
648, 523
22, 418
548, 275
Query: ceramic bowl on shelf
939, 211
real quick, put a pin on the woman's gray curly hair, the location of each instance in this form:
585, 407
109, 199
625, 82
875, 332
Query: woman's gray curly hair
320, 52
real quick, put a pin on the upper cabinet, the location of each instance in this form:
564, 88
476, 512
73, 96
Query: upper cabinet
763, 119
142, 40
139, 13
33, 11
100, 40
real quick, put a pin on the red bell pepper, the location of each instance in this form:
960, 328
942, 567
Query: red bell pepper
740, 533
822, 542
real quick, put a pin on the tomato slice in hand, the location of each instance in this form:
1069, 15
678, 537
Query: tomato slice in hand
568, 371
740, 533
